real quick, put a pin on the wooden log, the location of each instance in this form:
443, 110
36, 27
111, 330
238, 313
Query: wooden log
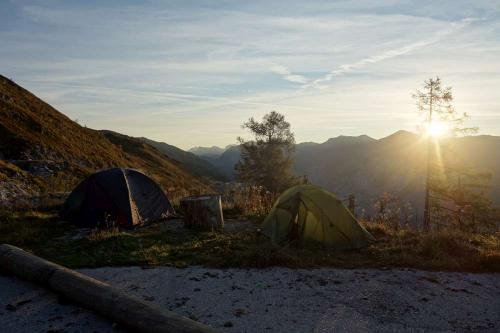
203, 211
130, 311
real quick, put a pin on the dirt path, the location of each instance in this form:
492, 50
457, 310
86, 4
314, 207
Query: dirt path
276, 300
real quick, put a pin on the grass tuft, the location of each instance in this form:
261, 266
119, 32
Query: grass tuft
169, 244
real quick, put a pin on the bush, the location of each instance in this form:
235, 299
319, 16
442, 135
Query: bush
248, 201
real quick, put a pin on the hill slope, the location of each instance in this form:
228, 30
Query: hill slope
191, 162
367, 168
396, 164
223, 159
209, 152
227, 160
42, 150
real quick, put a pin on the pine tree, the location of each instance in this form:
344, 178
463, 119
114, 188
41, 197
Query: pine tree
434, 103
266, 160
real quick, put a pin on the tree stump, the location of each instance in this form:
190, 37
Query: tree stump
203, 211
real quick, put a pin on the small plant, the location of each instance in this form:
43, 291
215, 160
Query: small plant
98, 234
390, 213
248, 201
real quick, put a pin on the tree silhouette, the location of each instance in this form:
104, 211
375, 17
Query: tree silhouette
434, 103
266, 160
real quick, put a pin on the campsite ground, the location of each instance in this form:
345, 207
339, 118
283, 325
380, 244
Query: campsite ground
276, 300
239, 245
237, 282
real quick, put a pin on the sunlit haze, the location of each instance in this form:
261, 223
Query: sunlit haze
190, 73
437, 129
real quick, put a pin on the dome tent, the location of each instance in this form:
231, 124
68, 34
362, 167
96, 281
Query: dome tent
124, 197
307, 213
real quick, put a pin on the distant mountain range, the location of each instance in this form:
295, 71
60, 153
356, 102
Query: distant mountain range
224, 160
210, 152
43, 151
367, 167
198, 166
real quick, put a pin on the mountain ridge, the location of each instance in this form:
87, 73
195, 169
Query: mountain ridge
199, 150
43, 151
192, 162
369, 167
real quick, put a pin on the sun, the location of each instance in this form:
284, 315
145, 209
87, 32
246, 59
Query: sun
436, 129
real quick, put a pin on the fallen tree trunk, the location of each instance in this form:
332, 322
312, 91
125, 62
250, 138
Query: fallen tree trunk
95, 295
203, 211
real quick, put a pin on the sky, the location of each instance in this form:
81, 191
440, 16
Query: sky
189, 73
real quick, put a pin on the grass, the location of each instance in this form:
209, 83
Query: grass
247, 201
161, 244
438, 250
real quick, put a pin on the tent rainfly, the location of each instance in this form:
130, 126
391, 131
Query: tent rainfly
307, 213
122, 197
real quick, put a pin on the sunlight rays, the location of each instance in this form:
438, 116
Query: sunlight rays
437, 130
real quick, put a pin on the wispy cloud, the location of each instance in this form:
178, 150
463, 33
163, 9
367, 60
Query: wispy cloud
287, 74
386, 55
170, 71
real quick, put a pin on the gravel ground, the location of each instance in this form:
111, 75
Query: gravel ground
276, 300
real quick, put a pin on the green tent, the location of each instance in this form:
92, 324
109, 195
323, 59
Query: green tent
307, 213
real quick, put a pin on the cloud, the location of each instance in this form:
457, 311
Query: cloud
393, 53
169, 69
288, 75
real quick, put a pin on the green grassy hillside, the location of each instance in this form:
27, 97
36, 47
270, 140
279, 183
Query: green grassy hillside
43, 151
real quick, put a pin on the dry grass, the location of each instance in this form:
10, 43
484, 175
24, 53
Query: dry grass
247, 201
170, 244
103, 234
446, 249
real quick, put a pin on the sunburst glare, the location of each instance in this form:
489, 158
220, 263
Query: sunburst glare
437, 129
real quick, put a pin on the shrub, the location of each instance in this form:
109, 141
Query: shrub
248, 201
